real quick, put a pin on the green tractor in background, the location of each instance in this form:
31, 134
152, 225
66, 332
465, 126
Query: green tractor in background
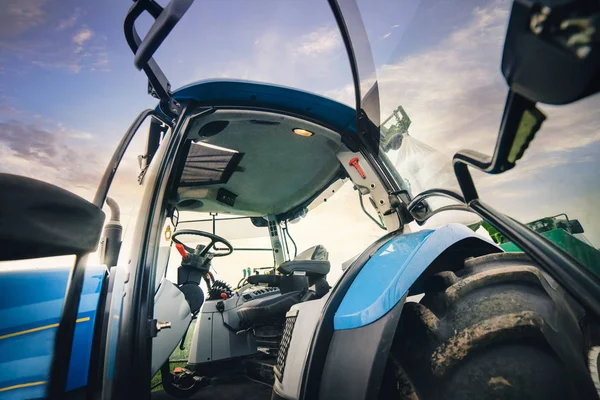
564, 232
391, 136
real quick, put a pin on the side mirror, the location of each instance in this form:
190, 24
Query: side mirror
551, 55
575, 226
38, 219
551, 50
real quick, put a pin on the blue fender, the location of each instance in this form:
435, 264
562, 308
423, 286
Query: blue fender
388, 275
31, 302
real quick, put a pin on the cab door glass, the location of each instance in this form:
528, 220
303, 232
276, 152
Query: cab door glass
128, 186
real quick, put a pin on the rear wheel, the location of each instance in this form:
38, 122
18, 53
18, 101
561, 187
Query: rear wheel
499, 328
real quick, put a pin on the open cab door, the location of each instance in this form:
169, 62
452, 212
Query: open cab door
538, 36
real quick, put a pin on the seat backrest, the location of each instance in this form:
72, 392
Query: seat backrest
317, 253
310, 267
313, 261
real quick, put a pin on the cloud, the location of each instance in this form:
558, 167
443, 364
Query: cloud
70, 21
315, 61
6, 109
73, 159
82, 36
82, 51
387, 35
19, 16
30, 37
81, 54
57, 155
569, 127
318, 43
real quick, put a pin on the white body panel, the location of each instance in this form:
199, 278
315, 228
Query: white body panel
212, 340
308, 317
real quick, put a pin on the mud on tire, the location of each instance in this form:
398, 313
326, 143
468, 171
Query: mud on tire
499, 328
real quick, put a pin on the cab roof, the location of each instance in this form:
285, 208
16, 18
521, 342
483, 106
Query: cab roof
327, 112
244, 158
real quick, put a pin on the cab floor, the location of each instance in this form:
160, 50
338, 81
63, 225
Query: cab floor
238, 388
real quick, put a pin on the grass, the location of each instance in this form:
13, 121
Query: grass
178, 354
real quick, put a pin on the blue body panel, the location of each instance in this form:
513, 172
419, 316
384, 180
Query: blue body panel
234, 92
391, 271
31, 302
114, 304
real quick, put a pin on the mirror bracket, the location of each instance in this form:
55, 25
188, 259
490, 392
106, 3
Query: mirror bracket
520, 122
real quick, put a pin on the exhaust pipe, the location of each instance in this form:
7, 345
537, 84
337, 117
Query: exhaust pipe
110, 244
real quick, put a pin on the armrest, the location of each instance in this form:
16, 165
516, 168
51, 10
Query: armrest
271, 280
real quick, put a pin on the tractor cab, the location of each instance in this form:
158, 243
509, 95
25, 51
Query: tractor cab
244, 180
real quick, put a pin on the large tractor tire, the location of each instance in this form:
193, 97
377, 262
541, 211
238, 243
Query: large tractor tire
499, 328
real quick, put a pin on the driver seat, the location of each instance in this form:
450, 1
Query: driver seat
313, 261
302, 279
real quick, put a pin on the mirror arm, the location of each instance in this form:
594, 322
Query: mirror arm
421, 219
433, 193
505, 153
520, 122
158, 85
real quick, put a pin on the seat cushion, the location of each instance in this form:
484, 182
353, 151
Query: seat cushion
311, 267
267, 308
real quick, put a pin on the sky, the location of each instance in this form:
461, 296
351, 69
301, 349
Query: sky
69, 90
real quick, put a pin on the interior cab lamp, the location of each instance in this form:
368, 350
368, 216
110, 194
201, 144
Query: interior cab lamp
303, 132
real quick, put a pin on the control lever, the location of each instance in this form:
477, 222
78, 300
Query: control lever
181, 250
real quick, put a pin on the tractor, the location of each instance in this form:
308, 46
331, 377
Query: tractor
566, 233
440, 313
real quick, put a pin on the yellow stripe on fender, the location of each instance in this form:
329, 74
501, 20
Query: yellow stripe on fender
22, 385
39, 328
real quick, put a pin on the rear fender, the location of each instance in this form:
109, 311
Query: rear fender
389, 274
364, 323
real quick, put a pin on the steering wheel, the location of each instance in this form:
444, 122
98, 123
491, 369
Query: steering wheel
214, 239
